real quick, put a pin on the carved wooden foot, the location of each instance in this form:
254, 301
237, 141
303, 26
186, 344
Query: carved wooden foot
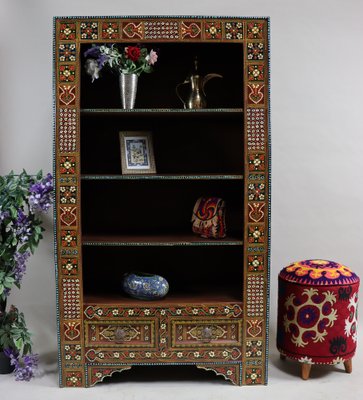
282, 356
348, 366
305, 371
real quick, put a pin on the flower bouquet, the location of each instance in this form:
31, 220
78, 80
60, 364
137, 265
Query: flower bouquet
22, 199
129, 62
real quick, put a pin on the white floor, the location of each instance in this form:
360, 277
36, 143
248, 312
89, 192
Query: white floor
325, 383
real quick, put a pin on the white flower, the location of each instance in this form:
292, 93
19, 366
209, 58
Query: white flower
116, 354
163, 354
115, 312
132, 355
92, 69
148, 354
163, 326
179, 354
211, 354
131, 312
147, 311
212, 311
195, 311
162, 312
178, 311
162, 340
196, 354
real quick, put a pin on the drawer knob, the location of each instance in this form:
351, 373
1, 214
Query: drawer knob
120, 335
207, 334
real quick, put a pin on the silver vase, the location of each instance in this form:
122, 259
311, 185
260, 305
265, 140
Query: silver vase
128, 88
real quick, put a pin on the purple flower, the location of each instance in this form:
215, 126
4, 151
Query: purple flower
24, 367
20, 267
40, 194
93, 52
4, 215
22, 227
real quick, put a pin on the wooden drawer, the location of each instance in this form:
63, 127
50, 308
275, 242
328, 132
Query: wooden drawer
221, 332
120, 333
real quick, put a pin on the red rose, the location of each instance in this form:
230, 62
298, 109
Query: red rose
133, 53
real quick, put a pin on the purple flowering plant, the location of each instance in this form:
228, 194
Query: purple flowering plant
22, 200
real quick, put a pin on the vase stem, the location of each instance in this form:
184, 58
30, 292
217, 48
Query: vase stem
128, 88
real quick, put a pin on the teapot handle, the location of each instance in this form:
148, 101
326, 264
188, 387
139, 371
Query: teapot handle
178, 94
207, 78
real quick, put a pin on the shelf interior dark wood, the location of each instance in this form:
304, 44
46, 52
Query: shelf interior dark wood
157, 90
181, 146
191, 271
146, 207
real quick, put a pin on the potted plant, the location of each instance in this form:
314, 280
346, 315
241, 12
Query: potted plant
22, 200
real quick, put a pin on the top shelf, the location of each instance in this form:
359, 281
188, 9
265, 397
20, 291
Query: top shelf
172, 112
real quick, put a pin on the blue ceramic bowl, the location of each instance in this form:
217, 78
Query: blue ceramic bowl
145, 286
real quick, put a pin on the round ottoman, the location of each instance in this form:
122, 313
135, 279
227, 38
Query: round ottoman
317, 314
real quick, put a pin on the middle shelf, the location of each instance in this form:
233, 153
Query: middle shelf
185, 239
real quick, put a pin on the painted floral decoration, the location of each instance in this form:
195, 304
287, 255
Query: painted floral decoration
22, 200
129, 60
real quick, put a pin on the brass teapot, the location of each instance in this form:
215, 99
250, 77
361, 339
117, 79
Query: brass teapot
196, 97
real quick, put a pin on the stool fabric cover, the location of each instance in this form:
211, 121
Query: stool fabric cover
317, 313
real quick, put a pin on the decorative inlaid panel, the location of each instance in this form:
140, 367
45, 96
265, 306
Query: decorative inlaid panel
255, 295
256, 263
256, 212
255, 30
110, 30
256, 191
205, 333
256, 233
254, 348
68, 216
67, 73
67, 95
71, 298
234, 30
73, 353
254, 328
256, 162
213, 30
98, 373
256, 72
132, 30
253, 376
68, 194
89, 30
256, 129
69, 266
67, 52
179, 355
74, 378
231, 372
256, 93
191, 29
72, 330
67, 31
255, 51
161, 29
110, 312
135, 333
67, 122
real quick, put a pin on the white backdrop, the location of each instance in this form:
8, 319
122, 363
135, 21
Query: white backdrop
317, 125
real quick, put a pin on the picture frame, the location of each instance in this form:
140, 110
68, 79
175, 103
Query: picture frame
137, 152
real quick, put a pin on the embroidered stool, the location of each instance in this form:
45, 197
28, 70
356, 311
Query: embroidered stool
317, 314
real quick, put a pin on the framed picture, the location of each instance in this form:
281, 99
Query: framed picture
137, 153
